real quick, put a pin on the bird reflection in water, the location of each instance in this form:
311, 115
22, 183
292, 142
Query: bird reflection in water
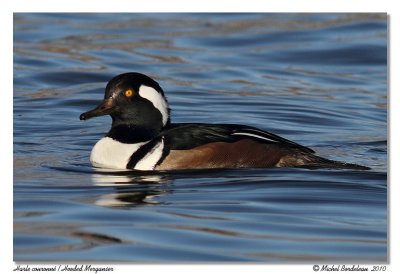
129, 189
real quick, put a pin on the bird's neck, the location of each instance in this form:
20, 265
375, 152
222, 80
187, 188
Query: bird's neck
130, 134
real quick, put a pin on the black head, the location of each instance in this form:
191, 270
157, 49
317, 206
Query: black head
134, 101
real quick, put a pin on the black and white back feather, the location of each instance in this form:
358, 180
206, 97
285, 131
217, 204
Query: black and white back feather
187, 136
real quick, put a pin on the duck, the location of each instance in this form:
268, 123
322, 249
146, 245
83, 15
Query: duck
142, 137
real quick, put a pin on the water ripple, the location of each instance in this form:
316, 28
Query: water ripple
317, 79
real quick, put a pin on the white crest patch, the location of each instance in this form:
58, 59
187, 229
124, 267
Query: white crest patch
149, 161
156, 99
109, 153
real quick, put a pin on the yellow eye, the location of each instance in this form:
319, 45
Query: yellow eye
128, 93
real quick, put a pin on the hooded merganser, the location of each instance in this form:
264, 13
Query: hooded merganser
142, 136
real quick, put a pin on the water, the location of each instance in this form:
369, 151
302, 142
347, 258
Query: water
317, 79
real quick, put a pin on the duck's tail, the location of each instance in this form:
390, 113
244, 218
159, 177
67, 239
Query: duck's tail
309, 160
319, 162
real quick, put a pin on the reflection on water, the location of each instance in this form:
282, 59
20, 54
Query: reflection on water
317, 79
132, 190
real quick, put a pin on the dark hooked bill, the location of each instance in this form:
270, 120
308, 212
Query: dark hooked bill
106, 107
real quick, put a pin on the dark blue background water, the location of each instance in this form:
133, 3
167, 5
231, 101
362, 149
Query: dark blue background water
317, 79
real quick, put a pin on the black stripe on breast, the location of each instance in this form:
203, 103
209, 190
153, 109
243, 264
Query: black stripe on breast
142, 152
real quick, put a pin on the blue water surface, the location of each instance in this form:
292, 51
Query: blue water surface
317, 79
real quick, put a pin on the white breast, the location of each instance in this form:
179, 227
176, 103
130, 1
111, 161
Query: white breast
149, 161
109, 153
